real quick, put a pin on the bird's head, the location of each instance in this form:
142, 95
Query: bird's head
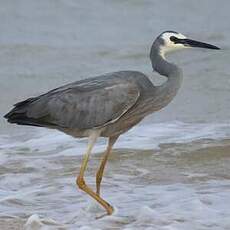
169, 41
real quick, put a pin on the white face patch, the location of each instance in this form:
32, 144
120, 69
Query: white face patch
170, 45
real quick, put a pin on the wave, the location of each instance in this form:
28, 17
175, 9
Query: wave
145, 136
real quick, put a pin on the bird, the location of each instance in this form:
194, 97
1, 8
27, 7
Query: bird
107, 105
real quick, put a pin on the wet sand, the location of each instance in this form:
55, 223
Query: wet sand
11, 223
169, 173
133, 179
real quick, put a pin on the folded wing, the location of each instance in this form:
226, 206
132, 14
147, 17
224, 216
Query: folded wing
81, 105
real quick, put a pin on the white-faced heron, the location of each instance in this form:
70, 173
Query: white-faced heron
107, 105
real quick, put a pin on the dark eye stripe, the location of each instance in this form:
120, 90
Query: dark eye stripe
174, 39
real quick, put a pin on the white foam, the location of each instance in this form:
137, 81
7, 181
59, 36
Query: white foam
34, 222
167, 207
45, 185
141, 137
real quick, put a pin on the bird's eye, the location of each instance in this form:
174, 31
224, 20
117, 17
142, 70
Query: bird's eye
174, 39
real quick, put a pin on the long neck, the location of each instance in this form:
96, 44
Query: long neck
167, 91
161, 95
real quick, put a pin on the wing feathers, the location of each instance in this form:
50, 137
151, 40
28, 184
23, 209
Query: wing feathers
76, 107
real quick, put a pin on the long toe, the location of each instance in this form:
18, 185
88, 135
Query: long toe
110, 210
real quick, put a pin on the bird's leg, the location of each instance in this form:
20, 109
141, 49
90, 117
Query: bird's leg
80, 179
100, 171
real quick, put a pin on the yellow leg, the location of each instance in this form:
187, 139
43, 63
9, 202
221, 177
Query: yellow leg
100, 171
80, 179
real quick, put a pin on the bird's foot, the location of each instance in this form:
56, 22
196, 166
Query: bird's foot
109, 210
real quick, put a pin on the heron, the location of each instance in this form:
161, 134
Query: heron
107, 105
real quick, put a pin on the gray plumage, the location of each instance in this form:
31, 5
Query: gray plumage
107, 105
112, 102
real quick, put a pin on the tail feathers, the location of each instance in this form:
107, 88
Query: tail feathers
18, 115
19, 109
21, 119
25, 102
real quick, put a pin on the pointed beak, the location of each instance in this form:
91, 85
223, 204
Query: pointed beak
193, 43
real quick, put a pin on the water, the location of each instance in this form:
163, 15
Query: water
170, 172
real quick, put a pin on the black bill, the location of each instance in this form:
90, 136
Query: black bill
193, 43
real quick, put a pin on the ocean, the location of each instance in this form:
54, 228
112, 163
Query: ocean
171, 171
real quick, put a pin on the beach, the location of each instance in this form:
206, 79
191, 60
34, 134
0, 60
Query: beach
170, 172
